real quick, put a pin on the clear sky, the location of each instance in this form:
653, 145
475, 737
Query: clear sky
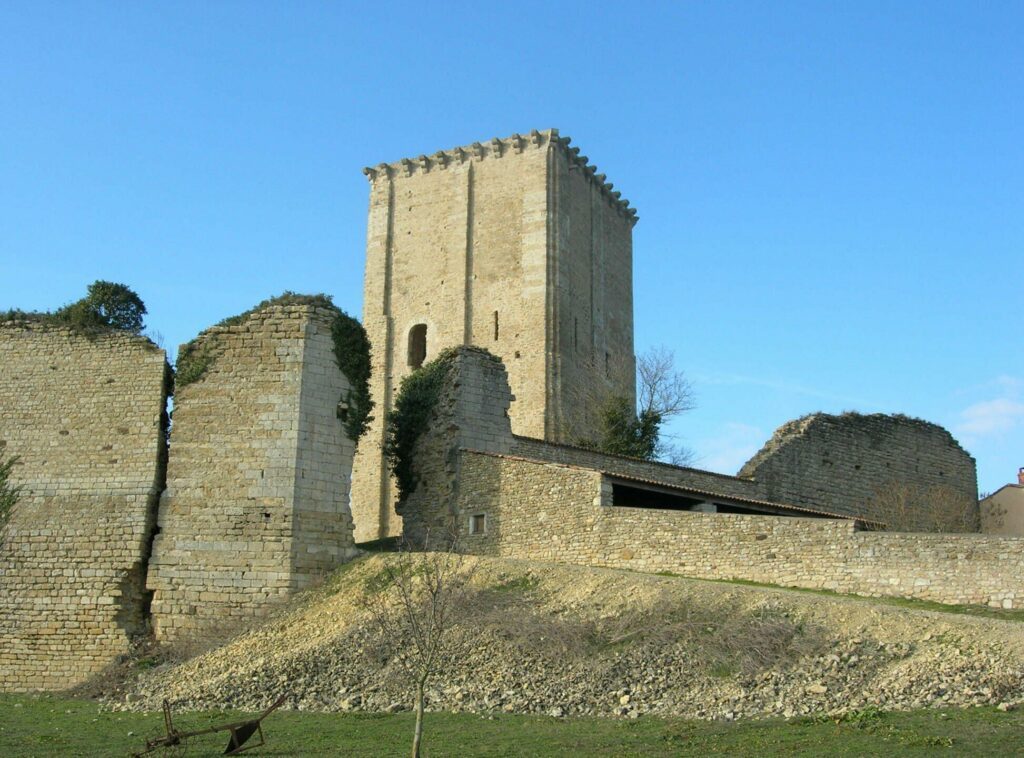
831, 194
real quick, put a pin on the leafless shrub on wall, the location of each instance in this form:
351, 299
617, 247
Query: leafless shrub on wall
913, 508
662, 392
660, 386
993, 515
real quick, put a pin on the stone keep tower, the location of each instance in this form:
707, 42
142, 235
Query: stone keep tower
517, 245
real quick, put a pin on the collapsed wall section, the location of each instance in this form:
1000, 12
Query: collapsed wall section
85, 415
898, 470
256, 505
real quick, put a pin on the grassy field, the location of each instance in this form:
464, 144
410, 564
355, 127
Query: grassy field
45, 726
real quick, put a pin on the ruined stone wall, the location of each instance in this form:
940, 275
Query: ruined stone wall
843, 463
473, 413
513, 245
472, 408
84, 415
546, 511
256, 505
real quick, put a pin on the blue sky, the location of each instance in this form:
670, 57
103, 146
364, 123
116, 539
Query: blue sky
831, 194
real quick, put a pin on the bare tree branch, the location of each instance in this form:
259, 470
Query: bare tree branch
911, 508
661, 388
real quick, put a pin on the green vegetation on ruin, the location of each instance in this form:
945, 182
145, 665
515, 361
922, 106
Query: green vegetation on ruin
8, 492
106, 307
626, 432
410, 417
46, 725
351, 353
193, 360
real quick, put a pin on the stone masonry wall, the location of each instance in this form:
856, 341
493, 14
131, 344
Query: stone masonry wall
591, 310
85, 416
256, 505
842, 463
553, 502
473, 412
547, 511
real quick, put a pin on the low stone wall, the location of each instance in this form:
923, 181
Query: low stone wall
545, 511
85, 416
256, 506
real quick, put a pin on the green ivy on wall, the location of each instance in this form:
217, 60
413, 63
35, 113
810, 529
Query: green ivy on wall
8, 492
406, 422
351, 353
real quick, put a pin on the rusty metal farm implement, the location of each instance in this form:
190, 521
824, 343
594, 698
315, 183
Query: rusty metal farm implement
241, 732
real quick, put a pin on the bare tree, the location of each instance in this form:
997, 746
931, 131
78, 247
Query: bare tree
414, 607
660, 386
912, 508
663, 391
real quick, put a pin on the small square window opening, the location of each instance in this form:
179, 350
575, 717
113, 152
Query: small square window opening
477, 523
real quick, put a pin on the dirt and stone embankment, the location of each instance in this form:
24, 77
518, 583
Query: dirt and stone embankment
563, 641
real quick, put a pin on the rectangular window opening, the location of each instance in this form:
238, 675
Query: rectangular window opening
495, 326
478, 523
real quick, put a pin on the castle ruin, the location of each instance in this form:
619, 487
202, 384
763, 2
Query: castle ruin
519, 255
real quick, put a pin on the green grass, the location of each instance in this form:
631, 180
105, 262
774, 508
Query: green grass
45, 726
524, 583
922, 605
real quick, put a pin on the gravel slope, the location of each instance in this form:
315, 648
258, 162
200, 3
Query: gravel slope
545, 638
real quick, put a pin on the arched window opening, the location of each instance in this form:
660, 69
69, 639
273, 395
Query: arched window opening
417, 345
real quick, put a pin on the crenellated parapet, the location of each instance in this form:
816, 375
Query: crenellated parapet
497, 148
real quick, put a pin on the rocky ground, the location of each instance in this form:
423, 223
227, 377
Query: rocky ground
563, 641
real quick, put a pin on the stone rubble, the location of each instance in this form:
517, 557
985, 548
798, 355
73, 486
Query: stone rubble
610, 643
